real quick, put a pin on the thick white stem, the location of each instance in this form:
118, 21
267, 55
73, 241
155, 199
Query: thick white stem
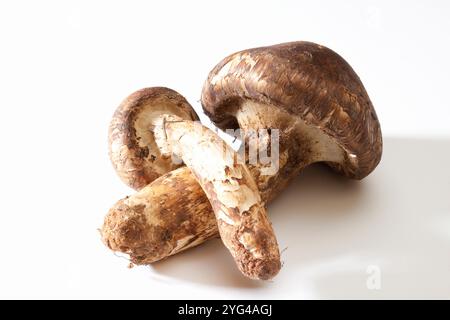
229, 186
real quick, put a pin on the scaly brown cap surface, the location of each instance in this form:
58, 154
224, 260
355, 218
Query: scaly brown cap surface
308, 81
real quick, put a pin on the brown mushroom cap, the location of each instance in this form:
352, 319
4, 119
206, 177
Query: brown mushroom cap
135, 155
308, 81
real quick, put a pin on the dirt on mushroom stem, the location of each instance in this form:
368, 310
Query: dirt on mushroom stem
241, 218
168, 216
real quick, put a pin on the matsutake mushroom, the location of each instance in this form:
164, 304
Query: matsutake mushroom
311, 95
133, 149
308, 93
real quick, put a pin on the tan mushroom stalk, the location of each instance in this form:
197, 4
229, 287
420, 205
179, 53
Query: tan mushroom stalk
168, 216
241, 218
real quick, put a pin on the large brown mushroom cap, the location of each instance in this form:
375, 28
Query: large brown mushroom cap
308, 81
133, 149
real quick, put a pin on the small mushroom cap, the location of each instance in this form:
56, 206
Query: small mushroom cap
309, 81
133, 150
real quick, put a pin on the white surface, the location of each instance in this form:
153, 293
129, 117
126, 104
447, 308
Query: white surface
65, 66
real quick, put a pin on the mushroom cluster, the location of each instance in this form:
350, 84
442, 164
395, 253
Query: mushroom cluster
191, 186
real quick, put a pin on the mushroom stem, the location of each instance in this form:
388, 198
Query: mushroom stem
241, 218
299, 145
167, 216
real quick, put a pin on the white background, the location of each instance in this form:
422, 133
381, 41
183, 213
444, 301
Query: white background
66, 65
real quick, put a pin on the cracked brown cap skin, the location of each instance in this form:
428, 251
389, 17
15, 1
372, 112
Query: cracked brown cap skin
133, 149
309, 81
